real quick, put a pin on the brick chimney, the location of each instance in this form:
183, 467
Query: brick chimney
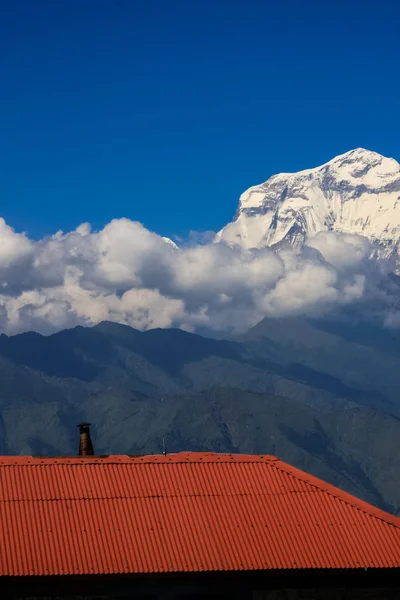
85, 442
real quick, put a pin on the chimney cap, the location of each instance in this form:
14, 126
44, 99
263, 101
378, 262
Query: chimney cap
85, 442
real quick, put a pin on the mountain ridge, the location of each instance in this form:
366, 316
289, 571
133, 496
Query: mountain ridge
354, 193
277, 392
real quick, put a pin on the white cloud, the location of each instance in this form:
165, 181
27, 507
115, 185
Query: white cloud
128, 274
340, 249
14, 247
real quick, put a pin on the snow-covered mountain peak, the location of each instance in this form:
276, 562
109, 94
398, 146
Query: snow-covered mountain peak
365, 164
357, 155
357, 192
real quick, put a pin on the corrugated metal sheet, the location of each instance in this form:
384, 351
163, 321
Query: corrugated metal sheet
183, 512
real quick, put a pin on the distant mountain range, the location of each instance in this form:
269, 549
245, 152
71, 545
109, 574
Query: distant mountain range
319, 395
357, 193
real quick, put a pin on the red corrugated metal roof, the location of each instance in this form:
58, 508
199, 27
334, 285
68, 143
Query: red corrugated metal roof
183, 512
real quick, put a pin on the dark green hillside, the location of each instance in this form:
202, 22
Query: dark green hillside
288, 387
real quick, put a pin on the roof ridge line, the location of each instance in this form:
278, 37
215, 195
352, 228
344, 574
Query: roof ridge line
112, 459
342, 495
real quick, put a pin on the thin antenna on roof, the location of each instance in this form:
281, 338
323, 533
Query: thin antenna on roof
164, 448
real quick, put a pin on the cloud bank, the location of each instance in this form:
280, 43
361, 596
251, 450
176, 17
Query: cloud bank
128, 274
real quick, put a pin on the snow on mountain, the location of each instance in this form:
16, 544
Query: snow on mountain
168, 241
357, 192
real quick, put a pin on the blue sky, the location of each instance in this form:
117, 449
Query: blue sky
164, 111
